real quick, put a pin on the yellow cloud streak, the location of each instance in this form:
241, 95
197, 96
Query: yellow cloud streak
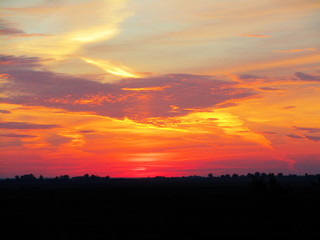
93, 35
146, 88
232, 125
111, 68
206, 123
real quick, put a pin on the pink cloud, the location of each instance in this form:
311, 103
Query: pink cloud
132, 98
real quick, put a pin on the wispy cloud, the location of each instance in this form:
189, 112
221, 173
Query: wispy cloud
275, 63
295, 136
308, 129
270, 89
313, 138
5, 111
28, 35
26, 125
22, 61
307, 77
297, 50
255, 35
288, 107
6, 29
13, 135
72, 30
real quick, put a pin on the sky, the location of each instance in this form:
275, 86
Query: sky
143, 88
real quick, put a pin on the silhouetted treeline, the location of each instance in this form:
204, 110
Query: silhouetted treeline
32, 178
258, 178
191, 207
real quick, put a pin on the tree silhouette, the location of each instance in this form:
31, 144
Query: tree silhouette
258, 185
28, 177
274, 185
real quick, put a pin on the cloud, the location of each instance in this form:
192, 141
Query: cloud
307, 77
11, 62
10, 31
108, 67
269, 132
256, 35
227, 105
297, 50
288, 107
71, 30
310, 130
270, 89
313, 138
26, 125
25, 35
247, 76
7, 29
294, 136
13, 135
86, 131
11, 59
164, 96
57, 140
288, 62
5, 111
14, 143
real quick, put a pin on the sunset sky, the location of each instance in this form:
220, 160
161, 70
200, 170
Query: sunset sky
138, 88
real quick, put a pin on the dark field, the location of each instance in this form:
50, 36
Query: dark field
153, 208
